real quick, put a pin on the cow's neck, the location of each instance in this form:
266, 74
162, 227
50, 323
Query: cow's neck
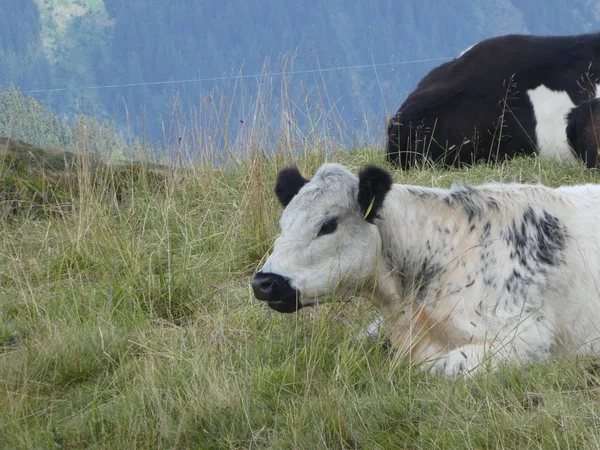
421, 236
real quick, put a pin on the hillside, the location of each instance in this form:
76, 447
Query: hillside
57, 44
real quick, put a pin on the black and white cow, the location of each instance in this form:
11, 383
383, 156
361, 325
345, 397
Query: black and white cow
503, 97
500, 273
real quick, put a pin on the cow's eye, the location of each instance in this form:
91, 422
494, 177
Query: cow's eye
328, 227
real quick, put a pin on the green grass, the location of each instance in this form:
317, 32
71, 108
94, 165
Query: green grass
128, 323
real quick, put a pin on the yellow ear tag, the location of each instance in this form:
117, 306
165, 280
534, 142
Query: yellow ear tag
369, 208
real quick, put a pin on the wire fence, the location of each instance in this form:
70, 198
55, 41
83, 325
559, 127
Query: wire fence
232, 77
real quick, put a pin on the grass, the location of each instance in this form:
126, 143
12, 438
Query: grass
128, 322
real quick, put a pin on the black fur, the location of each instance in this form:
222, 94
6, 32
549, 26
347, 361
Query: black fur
277, 292
426, 274
476, 107
537, 239
472, 201
374, 184
289, 182
583, 131
464, 196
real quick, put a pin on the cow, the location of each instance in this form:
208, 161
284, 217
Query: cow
465, 279
502, 97
583, 131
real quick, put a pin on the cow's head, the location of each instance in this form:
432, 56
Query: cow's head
329, 242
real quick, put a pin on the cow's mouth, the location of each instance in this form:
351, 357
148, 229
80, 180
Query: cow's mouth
288, 305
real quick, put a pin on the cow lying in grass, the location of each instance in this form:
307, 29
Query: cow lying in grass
503, 97
465, 278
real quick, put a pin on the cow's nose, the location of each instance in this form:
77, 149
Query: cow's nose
263, 286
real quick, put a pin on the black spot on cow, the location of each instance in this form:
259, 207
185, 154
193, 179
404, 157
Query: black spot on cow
420, 193
462, 366
536, 239
414, 276
479, 308
428, 271
487, 261
489, 281
465, 196
551, 237
518, 284
473, 202
537, 242
487, 228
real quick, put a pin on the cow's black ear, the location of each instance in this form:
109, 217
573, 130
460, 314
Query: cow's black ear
373, 185
289, 182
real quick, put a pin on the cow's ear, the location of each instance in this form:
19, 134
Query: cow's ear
373, 185
289, 182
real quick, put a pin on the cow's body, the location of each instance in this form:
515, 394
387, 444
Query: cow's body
507, 271
503, 97
510, 266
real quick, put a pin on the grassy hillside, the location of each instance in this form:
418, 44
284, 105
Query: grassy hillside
127, 322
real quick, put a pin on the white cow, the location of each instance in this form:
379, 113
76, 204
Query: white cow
465, 278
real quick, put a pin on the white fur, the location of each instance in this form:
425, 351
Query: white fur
550, 109
465, 317
373, 330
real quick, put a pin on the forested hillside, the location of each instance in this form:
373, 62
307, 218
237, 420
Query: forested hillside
68, 45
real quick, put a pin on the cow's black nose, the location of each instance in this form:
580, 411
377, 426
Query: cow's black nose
263, 285
277, 291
